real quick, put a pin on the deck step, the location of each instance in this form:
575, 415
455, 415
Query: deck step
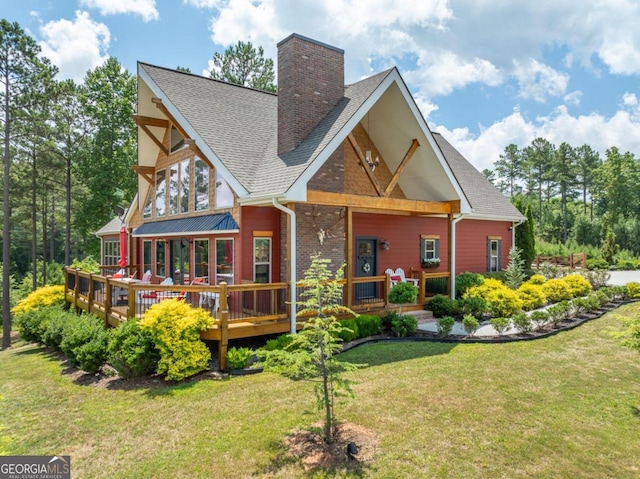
422, 316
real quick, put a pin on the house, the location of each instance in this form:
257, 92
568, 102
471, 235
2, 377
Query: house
242, 186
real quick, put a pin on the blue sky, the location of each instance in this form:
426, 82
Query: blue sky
485, 73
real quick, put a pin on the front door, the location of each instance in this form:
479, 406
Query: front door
366, 265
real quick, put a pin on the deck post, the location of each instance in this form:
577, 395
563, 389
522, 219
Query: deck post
107, 301
131, 300
90, 297
76, 290
224, 328
422, 284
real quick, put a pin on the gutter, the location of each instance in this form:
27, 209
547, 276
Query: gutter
514, 225
292, 265
453, 254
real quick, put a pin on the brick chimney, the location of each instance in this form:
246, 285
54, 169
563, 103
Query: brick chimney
310, 83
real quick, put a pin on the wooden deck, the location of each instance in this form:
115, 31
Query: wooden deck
239, 311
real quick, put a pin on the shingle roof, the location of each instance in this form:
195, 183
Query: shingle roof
193, 225
484, 198
111, 228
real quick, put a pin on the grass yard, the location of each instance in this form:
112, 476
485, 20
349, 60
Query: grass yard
561, 407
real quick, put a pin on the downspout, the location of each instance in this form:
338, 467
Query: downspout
292, 265
453, 255
514, 225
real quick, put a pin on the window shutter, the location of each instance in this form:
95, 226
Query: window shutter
499, 262
437, 242
488, 255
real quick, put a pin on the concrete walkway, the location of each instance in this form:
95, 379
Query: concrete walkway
618, 278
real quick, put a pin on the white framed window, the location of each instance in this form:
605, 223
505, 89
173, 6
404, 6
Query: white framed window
173, 189
183, 186
224, 260
261, 260
146, 256
161, 193
201, 258
161, 258
111, 252
494, 246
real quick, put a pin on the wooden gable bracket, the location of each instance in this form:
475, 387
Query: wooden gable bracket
191, 143
364, 164
146, 172
405, 161
145, 121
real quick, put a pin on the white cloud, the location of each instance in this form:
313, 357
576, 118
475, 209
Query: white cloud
573, 98
600, 132
75, 46
537, 81
145, 8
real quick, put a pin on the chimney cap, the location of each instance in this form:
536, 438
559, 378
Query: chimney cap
311, 40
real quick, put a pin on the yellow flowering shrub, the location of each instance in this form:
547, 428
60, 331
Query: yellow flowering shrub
556, 290
175, 328
44, 296
532, 296
501, 300
536, 279
633, 290
578, 285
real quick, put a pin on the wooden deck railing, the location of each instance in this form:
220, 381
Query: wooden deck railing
239, 311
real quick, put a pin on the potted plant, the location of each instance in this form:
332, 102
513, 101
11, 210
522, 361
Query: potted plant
430, 262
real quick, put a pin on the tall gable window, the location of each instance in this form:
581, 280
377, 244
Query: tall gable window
224, 195
262, 260
201, 188
148, 207
177, 140
161, 193
494, 247
173, 189
183, 188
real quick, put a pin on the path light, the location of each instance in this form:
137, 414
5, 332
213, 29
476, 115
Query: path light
352, 450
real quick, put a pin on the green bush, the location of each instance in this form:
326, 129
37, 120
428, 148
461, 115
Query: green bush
597, 263
500, 325
239, 358
597, 278
175, 328
403, 292
445, 325
532, 296
349, 330
522, 322
281, 342
53, 327
130, 350
388, 319
539, 318
85, 342
470, 324
466, 280
29, 323
404, 325
440, 305
495, 275
558, 312
633, 290
577, 285
368, 325
625, 264
556, 290
501, 300
474, 306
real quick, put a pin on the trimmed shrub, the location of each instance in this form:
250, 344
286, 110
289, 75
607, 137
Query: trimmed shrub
556, 290
470, 324
466, 280
368, 325
175, 328
239, 358
281, 342
539, 318
597, 263
404, 325
349, 330
440, 305
597, 278
45, 296
577, 285
473, 306
54, 325
130, 350
626, 264
403, 292
445, 325
522, 322
501, 300
30, 322
558, 312
85, 342
500, 325
532, 296
537, 279
389, 318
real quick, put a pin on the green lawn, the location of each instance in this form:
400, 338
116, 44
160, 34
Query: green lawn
561, 407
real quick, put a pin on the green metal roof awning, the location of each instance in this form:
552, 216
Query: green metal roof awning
209, 224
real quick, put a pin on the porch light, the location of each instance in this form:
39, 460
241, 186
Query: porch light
372, 164
384, 244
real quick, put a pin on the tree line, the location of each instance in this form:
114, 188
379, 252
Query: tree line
573, 193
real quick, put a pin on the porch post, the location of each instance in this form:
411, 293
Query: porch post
349, 256
451, 255
224, 327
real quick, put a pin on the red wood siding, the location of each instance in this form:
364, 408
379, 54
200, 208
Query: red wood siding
256, 218
403, 234
471, 248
